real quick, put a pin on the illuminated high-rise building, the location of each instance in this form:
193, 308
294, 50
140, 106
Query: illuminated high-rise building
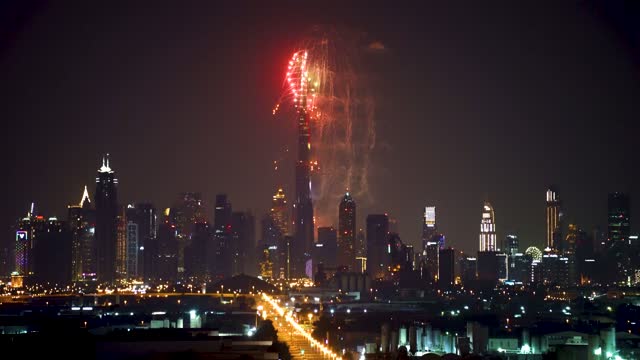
22, 250
431, 257
106, 199
553, 218
618, 212
28, 230
303, 207
488, 229
82, 224
429, 229
134, 245
121, 244
265, 262
347, 232
280, 212
378, 251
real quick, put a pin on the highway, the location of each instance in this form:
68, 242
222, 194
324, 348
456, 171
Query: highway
301, 344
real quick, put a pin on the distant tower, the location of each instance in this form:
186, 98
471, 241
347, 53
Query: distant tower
619, 216
378, 252
222, 232
164, 262
188, 211
106, 198
22, 250
133, 243
553, 218
243, 241
82, 222
326, 248
431, 254
347, 232
303, 215
279, 212
488, 229
147, 222
446, 268
121, 244
429, 229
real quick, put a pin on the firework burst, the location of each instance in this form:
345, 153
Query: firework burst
322, 79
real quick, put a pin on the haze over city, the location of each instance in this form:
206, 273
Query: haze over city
364, 180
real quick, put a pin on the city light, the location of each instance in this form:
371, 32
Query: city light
299, 329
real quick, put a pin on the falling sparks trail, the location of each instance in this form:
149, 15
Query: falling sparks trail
324, 79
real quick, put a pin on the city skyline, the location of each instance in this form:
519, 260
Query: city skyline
210, 207
587, 134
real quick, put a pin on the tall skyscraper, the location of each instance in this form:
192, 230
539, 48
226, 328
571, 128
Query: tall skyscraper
164, 251
429, 229
82, 224
619, 214
121, 244
146, 221
446, 268
29, 230
488, 229
106, 198
243, 237
378, 251
280, 212
303, 207
347, 232
553, 218
195, 255
23, 254
432, 257
133, 243
222, 230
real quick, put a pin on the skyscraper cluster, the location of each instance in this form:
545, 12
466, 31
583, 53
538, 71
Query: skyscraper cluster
103, 242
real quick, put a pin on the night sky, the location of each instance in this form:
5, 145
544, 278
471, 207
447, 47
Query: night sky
474, 101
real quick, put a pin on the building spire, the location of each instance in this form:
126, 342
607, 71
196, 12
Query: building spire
105, 165
85, 197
